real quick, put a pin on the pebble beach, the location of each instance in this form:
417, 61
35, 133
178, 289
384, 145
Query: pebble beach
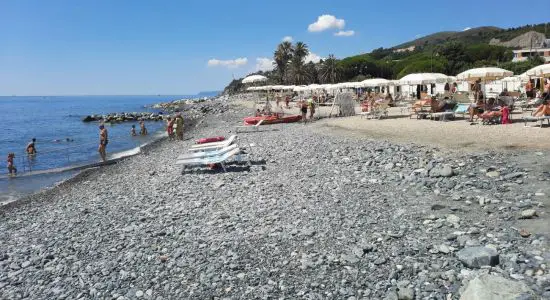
319, 215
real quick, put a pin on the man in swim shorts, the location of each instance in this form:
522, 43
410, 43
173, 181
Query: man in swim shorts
103, 141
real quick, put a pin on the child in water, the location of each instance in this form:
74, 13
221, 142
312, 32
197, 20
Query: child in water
11, 167
133, 130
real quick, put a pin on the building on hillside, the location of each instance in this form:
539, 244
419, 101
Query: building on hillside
524, 54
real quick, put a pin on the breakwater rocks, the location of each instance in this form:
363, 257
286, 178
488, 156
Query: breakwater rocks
196, 108
124, 117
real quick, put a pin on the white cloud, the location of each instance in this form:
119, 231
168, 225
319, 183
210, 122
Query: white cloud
467, 28
345, 33
312, 57
326, 22
230, 63
288, 38
264, 64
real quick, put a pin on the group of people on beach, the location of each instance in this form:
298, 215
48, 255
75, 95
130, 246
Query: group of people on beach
174, 127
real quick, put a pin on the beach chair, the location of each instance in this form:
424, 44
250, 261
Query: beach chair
217, 159
253, 127
204, 154
536, 119
213, 146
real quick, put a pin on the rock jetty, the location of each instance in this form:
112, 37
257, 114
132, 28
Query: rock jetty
124, 117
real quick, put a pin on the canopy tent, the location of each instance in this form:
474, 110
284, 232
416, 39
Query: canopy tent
485, 74
254, 78
538, 71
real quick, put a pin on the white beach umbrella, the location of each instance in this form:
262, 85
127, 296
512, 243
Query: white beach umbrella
254, 78
375, 82
511, 79
539, 71
490, 73
424, 78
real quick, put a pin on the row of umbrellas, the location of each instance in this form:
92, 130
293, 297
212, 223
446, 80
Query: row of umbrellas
485, 74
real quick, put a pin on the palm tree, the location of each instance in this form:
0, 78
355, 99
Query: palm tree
299, 72
300, 51
330, 71
282, 56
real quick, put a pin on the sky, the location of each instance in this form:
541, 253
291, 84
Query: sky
182, 47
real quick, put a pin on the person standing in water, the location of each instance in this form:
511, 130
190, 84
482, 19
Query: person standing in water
12, 170
103, 141
143, 130
31, 148
133, 131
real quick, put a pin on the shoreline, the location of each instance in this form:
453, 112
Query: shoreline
364, 217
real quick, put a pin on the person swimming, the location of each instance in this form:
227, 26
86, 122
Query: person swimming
31, 147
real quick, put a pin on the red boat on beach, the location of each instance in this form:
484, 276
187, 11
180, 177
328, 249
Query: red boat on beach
273, 119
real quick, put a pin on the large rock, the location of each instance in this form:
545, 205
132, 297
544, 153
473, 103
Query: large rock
493, 287
88, 119
476, 257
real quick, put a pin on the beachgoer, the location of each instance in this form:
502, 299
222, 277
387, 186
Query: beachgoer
529, 89
12, 170
31, 148
453, 90
287, 101
389, 98
476, 109
303, 108
170, 128
311, 105
142, 130
133, 131
504, 93
258, 113
103, 141
547, 86
179, 127
476, 88
543, 110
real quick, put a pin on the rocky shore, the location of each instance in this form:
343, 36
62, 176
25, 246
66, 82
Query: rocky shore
194, 109
317, 216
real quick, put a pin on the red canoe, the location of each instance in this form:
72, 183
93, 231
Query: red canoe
272, 119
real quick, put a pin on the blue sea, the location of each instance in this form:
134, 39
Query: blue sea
62, 139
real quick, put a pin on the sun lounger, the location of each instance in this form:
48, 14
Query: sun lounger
217, 159
253, 127
203, 154
213, 146
536, 119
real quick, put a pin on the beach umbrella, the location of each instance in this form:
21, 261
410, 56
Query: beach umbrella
539, 71
485, 74
424, 78
375, 82
254, 78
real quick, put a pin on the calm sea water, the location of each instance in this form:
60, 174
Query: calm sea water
53, 119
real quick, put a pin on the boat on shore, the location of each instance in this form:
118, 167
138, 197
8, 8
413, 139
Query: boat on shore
272, 119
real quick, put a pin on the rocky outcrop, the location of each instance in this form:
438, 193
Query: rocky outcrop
526, 40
